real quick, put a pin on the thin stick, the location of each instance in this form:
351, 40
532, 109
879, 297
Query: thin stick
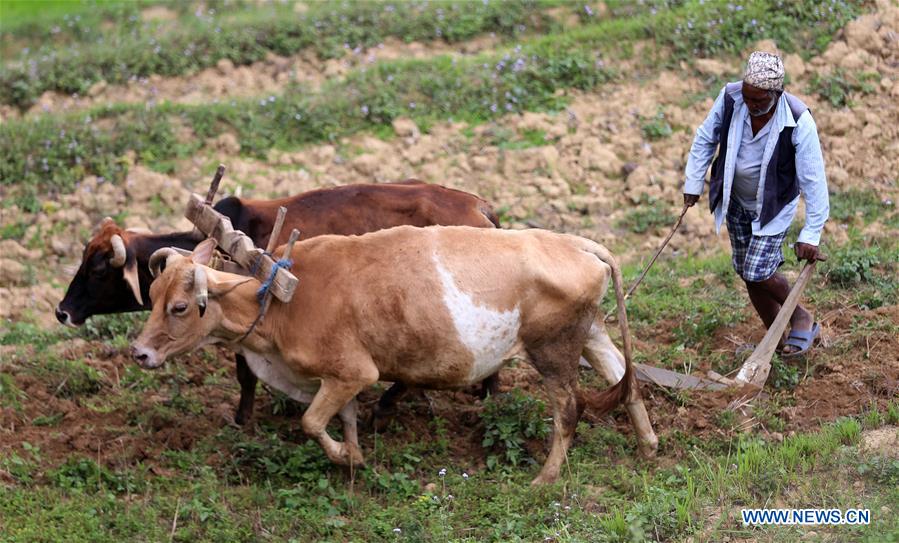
175, 519
294, 236
276, 230
214, 186
658, 252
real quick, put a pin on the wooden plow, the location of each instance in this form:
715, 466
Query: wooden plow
754, 372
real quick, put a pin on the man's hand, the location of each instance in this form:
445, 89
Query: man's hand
804, 251
690, 199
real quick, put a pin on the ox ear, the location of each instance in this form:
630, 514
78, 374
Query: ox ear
202, 254
219, 284
133, 280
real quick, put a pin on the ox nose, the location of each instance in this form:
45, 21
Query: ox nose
62, 316
146, 358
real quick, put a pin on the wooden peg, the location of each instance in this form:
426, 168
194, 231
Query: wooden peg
276, 230
214, 186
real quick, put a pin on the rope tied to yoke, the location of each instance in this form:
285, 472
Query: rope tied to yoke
285, 263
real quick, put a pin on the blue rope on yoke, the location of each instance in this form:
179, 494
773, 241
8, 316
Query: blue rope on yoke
285, 263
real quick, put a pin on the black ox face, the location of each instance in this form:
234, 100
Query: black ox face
106, 282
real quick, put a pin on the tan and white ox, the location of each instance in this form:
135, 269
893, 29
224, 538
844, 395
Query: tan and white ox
436, 307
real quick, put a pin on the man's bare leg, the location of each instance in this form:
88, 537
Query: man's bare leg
767, 296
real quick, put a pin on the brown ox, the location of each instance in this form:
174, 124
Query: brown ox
434, 307
113, 276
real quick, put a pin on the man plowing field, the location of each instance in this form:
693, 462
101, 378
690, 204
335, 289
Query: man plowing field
768, 155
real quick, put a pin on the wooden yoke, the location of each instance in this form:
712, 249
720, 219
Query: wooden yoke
240, 247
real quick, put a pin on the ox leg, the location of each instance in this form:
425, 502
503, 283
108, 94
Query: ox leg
489, 386
347, 414
606, 359
247, 380
557, 362
386, 406
332, 397
348, 417
602, 354
566, 412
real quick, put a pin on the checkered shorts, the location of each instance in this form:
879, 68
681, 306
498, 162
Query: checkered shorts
755, 258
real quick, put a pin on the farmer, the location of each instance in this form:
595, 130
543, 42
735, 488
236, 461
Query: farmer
768, 154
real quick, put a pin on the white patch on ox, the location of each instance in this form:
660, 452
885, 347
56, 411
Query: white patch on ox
275, 373
489, 334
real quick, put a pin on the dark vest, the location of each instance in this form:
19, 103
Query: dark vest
781, 185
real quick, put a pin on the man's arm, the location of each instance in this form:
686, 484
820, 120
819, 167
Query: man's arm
812, 184
702, 151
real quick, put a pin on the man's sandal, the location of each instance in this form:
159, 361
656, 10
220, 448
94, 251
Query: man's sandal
802, 339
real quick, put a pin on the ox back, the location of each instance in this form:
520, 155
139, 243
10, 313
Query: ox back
359, 209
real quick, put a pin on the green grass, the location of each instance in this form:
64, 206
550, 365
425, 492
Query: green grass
53, 153
10, 394
17, 13
675, 286
328, 29
288, 492
859, 206
648, 216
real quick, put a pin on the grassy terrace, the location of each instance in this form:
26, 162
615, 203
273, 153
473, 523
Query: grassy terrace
50, 154
200, 40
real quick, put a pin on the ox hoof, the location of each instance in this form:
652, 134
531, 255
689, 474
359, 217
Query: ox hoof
241, 418
649, 448
348, 455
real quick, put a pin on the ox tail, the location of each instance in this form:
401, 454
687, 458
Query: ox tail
487, 210
619, 392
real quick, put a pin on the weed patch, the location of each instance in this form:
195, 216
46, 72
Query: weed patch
856, 203
784, 376
839, 86
510, 420
656, 128
84, 475
11, 395
648, 216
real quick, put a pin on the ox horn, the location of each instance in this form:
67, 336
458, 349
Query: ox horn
118, 251
158, 257
201, 287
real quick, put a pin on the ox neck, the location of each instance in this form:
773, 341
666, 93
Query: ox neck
242, 321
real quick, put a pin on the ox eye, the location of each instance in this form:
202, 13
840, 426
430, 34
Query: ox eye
179, 308
100, 268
